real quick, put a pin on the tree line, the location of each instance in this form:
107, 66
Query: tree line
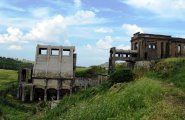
13, 64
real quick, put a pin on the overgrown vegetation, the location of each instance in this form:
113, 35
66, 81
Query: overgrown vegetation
92, 71
172, 70
10, 108
148, 97
157, 94
13, 64
121, 75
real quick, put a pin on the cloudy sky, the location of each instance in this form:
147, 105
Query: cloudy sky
93, 26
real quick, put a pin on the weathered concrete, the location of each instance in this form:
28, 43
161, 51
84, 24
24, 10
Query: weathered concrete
153, 46
54, 68
121, 55
147, 47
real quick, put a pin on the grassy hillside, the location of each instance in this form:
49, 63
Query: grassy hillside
10, 108
158, 94
7, 77
155, 94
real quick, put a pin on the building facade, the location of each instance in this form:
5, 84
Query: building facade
52, 74
153, 46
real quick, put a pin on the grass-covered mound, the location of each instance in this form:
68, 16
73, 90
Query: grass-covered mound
172, 70
10, 108
142, 99
157, 94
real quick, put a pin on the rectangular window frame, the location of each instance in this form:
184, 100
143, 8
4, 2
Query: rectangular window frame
66, 52
43, 51
55, 52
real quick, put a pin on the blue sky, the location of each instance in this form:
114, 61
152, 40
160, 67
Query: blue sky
92, 26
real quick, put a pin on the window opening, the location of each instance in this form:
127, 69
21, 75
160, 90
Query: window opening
54, 51
149, 46
43, 51
66, 52
154, 47
179, 49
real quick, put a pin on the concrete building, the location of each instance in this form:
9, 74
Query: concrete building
152, 46
53, 73
147, 47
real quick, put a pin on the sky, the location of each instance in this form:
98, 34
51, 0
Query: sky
92, 26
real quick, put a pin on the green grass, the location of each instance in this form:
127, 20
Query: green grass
7, 77
157, 94
79, 69
10, 108
142, 99
172, 70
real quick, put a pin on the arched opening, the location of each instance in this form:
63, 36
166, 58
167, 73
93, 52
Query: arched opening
39, 94
51, 94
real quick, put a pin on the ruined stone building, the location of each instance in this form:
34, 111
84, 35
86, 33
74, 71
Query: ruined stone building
152, 46
53, 73
146, 47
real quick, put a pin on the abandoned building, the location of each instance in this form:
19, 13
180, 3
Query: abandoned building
53, 73
146, 47
152, 47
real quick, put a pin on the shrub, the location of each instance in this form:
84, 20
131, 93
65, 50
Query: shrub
168, 66
93, 71
121, 75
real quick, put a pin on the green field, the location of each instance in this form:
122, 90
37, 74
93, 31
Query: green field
78, 69
10, 108
7, 77
157, 94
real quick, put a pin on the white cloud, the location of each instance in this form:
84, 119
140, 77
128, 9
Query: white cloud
50, 30
130, 29
12, 35
105, 43
163, 8
67, 42
14, 47
81, 17
40, 12
77, 3
124, 47
103, 30
89, 46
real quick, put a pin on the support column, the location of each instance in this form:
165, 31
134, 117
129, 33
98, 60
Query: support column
31, 94
18, 92
70, 90
23, 94
45, 90
45, 94
58, 94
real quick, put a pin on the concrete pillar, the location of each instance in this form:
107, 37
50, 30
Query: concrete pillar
45, 94
23, 94
126, 55
18, 92
58, 94
31, 93
70, 90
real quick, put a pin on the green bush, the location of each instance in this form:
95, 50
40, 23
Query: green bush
93, 71
168, 66
122, 75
